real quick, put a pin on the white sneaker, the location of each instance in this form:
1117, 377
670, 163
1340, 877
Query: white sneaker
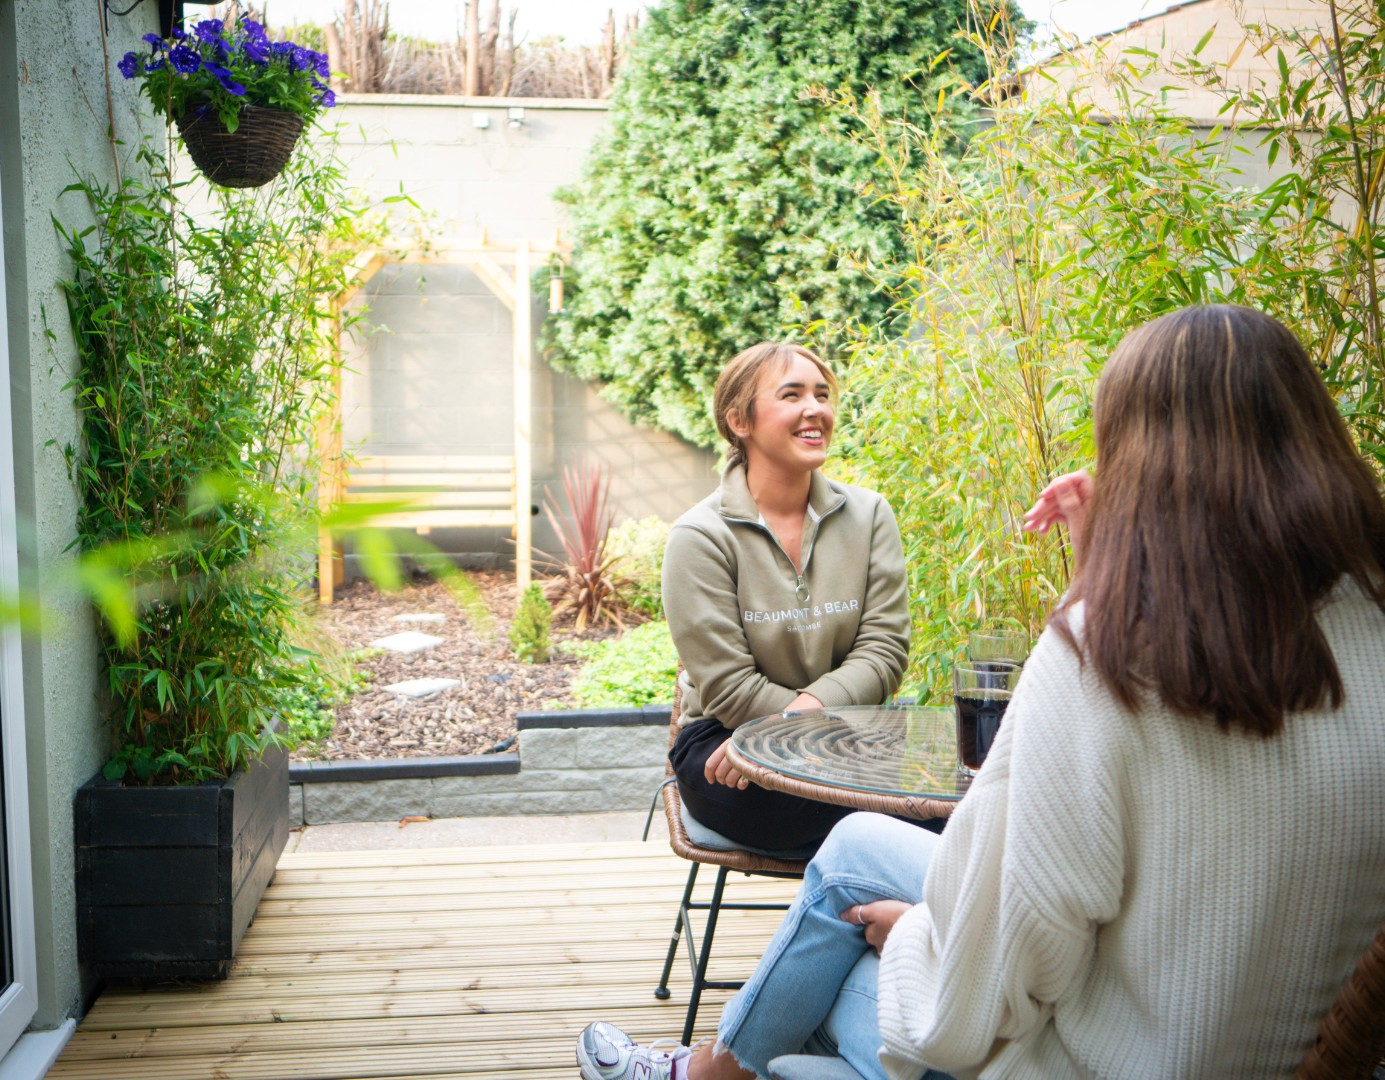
605, 1052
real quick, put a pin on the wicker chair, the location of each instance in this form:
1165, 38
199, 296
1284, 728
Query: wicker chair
748, 862
1349, 1046
1351, 1038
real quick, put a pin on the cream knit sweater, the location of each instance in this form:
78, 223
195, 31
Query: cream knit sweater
1141, 895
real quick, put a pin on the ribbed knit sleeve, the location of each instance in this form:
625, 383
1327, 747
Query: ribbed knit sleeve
1030, 865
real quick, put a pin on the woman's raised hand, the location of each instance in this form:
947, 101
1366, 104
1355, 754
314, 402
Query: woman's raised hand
878, 919
1063, 502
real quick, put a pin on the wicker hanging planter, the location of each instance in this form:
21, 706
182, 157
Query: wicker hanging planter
251, 156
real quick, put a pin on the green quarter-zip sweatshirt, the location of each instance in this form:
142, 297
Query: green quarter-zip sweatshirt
753, 633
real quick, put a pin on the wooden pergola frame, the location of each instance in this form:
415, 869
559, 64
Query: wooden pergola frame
487, 259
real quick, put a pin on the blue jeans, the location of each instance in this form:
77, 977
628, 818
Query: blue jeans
814, 989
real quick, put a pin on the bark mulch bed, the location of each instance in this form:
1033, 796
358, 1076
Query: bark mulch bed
474, 718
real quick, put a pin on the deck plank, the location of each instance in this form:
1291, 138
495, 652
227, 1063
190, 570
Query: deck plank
444, 964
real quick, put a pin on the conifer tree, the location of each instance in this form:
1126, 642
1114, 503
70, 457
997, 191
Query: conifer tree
714, 209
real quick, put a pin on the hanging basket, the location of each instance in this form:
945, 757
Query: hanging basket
251, 156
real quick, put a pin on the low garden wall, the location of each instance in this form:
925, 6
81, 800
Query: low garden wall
577, 761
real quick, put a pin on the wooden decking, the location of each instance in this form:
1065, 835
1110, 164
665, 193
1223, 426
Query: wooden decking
476, 963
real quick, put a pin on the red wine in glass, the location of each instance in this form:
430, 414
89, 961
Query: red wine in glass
980, 691
979, 713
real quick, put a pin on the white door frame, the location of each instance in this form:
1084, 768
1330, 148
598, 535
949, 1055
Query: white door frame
19, 1000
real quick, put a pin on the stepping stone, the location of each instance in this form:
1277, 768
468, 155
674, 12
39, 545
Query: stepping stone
407, 642
421, 616
417, 688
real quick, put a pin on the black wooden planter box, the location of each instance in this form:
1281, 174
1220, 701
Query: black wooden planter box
168, 878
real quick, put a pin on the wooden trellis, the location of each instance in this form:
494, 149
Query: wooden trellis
465, 477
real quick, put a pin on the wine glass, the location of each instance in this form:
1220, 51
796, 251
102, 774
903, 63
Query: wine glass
980, 693
998, 646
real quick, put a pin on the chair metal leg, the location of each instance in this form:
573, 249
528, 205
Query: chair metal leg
654, 803
700, 974
662, 993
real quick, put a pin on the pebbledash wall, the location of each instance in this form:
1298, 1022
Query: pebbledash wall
53, 111
434, 374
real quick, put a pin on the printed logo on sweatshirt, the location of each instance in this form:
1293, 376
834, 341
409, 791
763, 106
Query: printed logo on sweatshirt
796, 615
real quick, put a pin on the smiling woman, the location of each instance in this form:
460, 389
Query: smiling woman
784, 590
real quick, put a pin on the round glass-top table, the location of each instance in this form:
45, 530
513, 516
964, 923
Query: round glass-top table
890, 759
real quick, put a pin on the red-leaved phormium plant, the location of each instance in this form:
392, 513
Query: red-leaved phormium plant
586, 582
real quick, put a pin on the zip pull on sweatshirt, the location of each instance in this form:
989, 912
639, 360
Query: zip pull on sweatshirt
753, 633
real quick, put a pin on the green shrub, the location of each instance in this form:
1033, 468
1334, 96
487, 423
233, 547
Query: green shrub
327, 676
1060, 228
719, 204
529, 630
637, 668
638, 544
308, 709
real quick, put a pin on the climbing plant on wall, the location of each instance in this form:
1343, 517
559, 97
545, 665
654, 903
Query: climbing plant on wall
717, 207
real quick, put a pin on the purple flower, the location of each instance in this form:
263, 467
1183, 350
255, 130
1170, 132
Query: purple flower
256, 51
320, 65
155, 65
254, 31
327, 99
185, 59
208, 31
178, 34
300, 59
155, 42
129, 66
227, 79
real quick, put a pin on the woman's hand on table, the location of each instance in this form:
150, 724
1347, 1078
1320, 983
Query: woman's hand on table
878, 919
1063, 502
720, 771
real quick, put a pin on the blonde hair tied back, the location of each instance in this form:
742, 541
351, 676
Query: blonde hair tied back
739, 382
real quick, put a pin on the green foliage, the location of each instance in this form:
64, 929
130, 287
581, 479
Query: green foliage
1326, 110
309, 707
203, 359
637, 545
328, 676
638, 668
716, 207
1033, 253
529, 629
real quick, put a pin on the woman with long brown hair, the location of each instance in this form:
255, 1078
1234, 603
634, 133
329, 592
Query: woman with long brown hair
1175, 851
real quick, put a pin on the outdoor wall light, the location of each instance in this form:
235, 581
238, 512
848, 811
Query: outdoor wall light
517, 117
481, 120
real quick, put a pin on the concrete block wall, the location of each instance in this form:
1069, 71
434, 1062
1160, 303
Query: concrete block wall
433, 375
583, 770
466, 178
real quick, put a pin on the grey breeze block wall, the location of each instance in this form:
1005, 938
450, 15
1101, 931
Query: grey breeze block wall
433, 373
51, 66
571, 762
439, 380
